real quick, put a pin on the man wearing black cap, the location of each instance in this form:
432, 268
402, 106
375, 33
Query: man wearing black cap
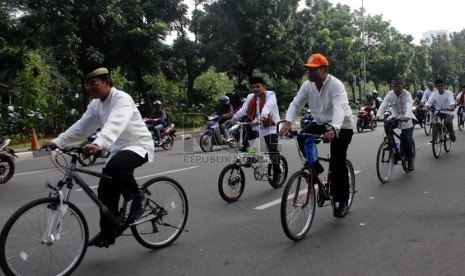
443, 100
402, 109
327, 99
124, 134
261, 109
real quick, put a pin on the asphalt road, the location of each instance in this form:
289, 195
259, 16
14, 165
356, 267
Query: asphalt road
412, 225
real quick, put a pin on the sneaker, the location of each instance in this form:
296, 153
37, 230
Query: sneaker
452, 137
341, 210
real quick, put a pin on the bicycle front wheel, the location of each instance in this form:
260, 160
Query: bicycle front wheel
43, 238
231, 183
298, 206
436, 143
7, 168
459, 121
165, 214
447, 141
352, 190
428, 124
384, 162
278, 181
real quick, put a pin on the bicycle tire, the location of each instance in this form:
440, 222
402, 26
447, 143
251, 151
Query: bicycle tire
205, 142
436, 142
352, 190
165, 214
428, 124
7, 168
86, 160
384, 162
296, 215
447, 141
234, 187
459, 120
23, 235
282, 176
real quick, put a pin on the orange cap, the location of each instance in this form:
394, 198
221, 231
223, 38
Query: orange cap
316, 60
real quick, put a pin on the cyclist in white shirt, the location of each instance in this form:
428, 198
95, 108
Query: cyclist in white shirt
428, 92
443, 100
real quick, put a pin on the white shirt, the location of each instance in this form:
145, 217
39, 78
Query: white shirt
427, 94
442, 101
330, 105
270, 107
120, 122
401, 106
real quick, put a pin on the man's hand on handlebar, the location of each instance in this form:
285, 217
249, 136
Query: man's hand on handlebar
90, 149
48, 146
285, 129
329, 135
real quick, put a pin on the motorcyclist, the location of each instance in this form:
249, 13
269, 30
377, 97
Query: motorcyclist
371, 103
225, 110
419, 112
157, 120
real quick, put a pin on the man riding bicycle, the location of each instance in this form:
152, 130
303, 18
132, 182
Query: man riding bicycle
124, 134
443, 100
327, 99
401, 105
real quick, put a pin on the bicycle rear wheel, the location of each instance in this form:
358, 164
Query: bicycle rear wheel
231, 183
165, 214
384, 162
436, 143
281, 178
298, 206
459, 121
35, 241
352, 190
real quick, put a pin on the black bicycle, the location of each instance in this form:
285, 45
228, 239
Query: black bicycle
49, 236
440, 135
390, 153
460, 117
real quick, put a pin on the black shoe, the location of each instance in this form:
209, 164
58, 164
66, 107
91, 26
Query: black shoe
341, 210
452, 137
100, 240
410, 166
136, 208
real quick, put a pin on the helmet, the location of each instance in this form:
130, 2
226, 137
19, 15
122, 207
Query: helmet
419, 94
306, 120
369, 96
374, 92
224, 99
156, 103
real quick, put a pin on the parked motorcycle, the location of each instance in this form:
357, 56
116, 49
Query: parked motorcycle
166, 137
307, 117
365, 120
212, 135
90, 159
7, 164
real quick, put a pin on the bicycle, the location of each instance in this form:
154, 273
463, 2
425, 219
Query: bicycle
231, 182
299, 199
49, 236
440, 134
390, 153
460, 117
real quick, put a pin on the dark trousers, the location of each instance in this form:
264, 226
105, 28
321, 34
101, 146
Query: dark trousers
448, 123
270, 140
337, 165
406, 138
121, 168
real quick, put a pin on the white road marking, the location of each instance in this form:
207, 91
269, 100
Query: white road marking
54, 169
146, 176
278, 201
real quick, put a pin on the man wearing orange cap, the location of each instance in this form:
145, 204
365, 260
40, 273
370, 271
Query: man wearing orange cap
327, 99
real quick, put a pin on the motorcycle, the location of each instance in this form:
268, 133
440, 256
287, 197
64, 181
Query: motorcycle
212, 135
90, 159
307, 117
419, 114
7, 164
365, 120
166, 137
